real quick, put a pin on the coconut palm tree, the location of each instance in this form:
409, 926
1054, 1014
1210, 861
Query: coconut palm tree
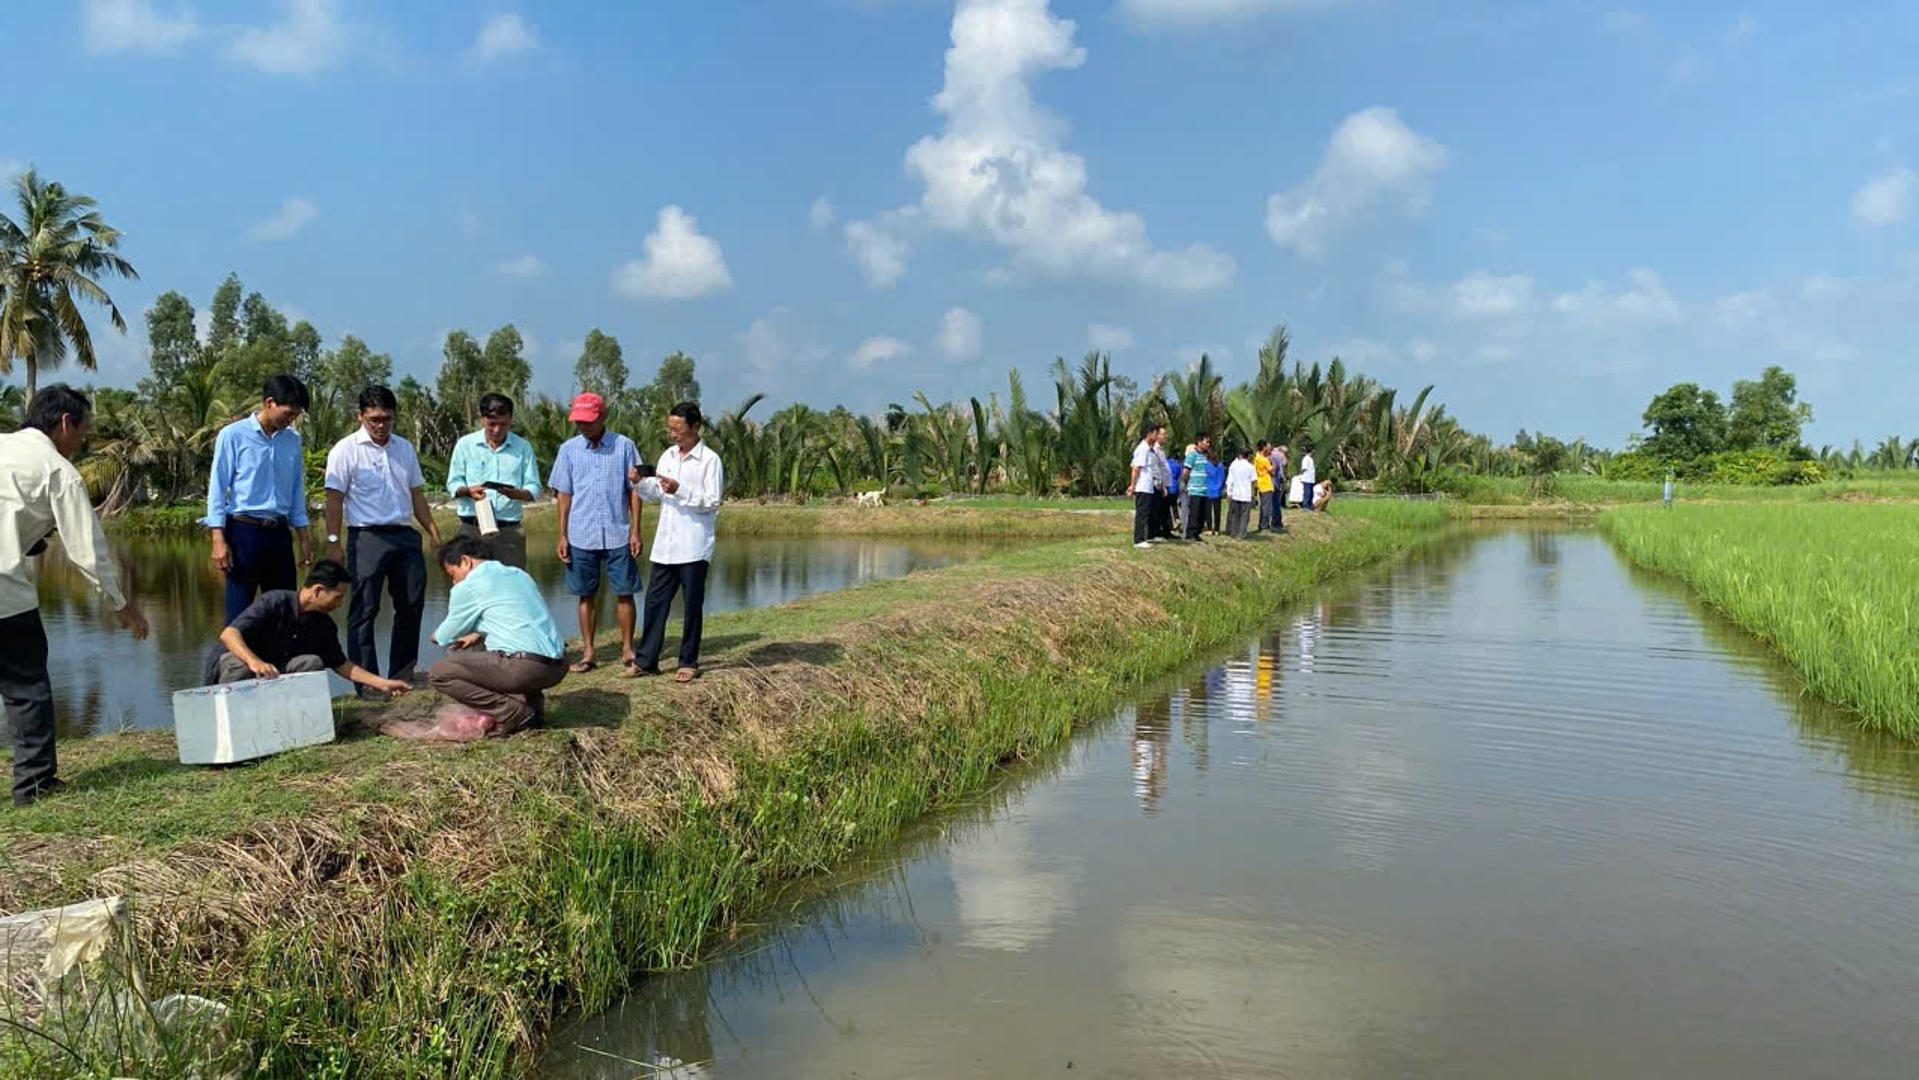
52, 258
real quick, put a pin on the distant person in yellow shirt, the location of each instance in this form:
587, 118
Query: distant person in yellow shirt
1263, 483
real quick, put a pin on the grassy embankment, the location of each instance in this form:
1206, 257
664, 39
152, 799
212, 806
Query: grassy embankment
388, 910
1832, 587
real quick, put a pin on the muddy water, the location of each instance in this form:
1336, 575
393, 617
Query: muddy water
1510, 808
104, 681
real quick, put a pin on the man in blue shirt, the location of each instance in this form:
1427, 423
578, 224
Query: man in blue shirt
1196, 504
256, 496
504, 653
497, 466
599, 523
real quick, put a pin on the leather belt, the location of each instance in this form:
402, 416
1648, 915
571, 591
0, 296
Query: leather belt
258, 522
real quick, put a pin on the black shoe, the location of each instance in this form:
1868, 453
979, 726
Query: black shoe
51, 787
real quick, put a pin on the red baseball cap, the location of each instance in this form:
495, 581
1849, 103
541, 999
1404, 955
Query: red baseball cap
587, 408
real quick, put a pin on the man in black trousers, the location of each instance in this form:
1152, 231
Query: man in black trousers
41, 494
687, 484
374, 484
1144, 484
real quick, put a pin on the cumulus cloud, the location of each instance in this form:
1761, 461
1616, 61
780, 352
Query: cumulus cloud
1644, 302
503, 35
1742, 309
135, 26
1480, 296
876, 350
309, 38
1373, 160
960, 332
1103, 338
1193, 14
1824, 287
293, 216
775, 344
820, 216
997, 170
1422, 350
526, 266
679, 263
1886, 199
879, 248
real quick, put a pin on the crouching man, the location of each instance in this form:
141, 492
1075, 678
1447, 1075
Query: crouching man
289, 633
505, 651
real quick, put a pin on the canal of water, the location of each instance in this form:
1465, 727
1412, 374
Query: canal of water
1506, 808
105, 681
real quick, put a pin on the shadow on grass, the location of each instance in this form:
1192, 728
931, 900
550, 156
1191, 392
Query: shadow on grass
122, 772
792, 652
587, 708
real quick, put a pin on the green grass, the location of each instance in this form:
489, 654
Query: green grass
377, 909
1834, 588
1594, 491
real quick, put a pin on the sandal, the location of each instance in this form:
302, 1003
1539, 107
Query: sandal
582, 667
686, 674
631, 670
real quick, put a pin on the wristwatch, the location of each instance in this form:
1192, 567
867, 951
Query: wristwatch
333, 538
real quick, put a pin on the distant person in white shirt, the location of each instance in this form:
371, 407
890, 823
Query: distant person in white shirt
1240, 480
687, 484
41, 494
1308, 479
1144, 484
374, 484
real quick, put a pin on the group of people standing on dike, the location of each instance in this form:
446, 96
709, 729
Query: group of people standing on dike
504, 651
1187, 495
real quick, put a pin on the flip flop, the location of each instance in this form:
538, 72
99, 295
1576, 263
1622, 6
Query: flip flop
686, 674
631, 670
582, 667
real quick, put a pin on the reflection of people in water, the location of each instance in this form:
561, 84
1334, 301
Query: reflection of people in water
1308, 627
1151, 738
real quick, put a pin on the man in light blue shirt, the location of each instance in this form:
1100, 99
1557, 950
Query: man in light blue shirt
596, 476
498, 466
256, 497
504, 653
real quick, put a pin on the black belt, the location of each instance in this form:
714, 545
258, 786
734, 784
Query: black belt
475, 521
259, 522
380, 528
531, 656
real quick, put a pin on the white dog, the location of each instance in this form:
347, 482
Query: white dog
872, 498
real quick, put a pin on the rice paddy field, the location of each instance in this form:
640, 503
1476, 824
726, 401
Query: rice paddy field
1833, 587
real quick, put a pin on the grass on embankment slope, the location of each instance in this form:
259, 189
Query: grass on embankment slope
1834, 588
380, 909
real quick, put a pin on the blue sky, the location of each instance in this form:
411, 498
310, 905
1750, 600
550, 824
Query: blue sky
1550, 211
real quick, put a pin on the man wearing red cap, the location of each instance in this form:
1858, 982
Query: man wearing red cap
599, 523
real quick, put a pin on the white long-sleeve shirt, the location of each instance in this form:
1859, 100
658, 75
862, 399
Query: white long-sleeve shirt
688, 516
40, 491
1306, 472
1240, 477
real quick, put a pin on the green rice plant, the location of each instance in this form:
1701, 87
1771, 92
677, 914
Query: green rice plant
1833, 587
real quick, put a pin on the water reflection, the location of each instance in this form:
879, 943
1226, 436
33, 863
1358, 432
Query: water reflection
105, 681
1506, 808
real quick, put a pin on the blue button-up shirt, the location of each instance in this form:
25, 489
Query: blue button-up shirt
475, 461
257, 475
503, 603
594, 476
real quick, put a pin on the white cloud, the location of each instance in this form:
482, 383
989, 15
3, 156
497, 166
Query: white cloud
1103, 338
960, 332
1482, 296
503, 35
997, 170
1824, 287
1189, 14
292, 216
820, 216
135, 26
1742, 309
774, 345
9, 168
1644, 302
1364, 352
526, 266
308, 39
877, 350
879, 248
1373, 159
1886, 199
1497, 352
1422, 350
679, 264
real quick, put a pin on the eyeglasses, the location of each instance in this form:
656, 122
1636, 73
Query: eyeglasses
377, 419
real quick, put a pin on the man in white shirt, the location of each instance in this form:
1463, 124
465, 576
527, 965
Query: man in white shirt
374, 484
1307, 480
1240, 478
687, 484
41, 494
1143, 484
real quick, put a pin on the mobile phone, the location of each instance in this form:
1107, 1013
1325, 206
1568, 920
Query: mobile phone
496, 485
646, 470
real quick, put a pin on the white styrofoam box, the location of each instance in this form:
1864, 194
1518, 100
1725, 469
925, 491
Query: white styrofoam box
219, 725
